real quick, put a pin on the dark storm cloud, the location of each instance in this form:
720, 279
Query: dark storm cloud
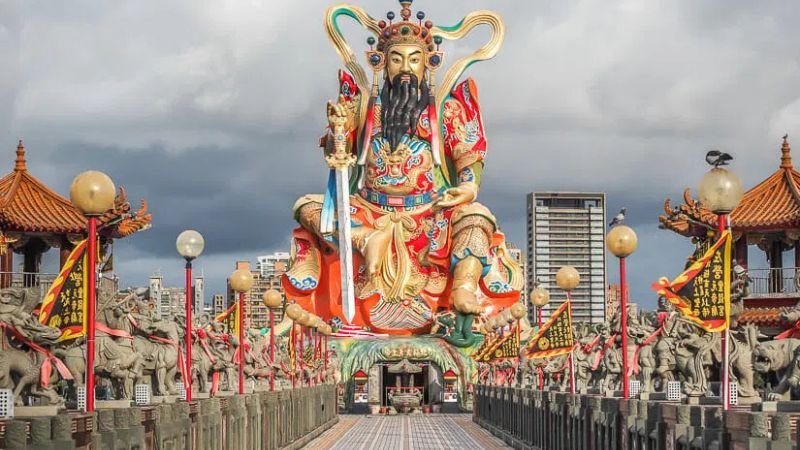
211, 109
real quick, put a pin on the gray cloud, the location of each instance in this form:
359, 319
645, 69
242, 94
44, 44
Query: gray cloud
211, 109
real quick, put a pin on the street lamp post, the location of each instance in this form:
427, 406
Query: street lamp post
540, 298
622, 242
272, 300
92, 192
241, 281
190, 245
567, 278
720, 191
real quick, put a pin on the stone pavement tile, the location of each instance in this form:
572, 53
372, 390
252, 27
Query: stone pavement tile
432, 432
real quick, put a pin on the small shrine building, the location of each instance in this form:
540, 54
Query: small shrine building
767, 219
34, 219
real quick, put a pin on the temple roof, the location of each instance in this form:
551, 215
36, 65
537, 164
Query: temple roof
773, 204
28, 205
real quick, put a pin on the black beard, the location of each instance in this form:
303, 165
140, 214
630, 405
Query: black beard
401, 105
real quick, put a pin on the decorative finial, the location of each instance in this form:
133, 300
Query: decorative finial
20, 163
786, 153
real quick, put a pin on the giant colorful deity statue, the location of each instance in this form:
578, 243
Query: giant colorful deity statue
413, 153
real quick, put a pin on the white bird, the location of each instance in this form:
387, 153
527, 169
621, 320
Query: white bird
618, 219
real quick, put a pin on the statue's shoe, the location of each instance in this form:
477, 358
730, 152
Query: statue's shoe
305, 271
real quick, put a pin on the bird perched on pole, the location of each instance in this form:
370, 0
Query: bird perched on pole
618, 219
717, 158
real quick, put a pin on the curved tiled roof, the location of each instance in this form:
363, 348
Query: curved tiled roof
773, 203
29, 205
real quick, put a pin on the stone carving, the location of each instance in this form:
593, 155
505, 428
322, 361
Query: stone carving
779, 357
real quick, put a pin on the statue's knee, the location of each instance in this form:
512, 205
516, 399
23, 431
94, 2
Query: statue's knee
307, 209
472, 235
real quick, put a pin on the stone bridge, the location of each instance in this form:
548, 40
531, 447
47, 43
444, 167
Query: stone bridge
545, 420
261, 421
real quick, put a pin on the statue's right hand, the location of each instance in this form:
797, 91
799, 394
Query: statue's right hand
340, 119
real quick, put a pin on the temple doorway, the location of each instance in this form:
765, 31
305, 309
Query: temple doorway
410, 385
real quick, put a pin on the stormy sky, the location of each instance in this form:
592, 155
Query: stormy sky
211, 110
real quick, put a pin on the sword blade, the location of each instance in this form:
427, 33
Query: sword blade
345, 243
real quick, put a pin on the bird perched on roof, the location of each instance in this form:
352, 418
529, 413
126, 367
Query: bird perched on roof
618, 219
717, 158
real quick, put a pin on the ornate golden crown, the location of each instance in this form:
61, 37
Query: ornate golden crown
405, 31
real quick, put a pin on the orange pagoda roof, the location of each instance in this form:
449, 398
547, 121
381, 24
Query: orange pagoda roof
28, 205
773, 204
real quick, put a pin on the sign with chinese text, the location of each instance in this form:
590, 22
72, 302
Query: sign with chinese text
64, 305
702, 292
508, 346
555, 337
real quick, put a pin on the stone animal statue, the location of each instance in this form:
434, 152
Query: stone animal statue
21, 371
781, 357
160, 347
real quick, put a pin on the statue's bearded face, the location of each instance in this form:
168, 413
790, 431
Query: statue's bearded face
405, 60
405, 92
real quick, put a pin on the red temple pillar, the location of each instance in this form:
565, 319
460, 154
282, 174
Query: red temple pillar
776, 266
741, 251
63, 253
6, 268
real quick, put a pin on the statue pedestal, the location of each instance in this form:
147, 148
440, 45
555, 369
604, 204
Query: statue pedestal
703, 401
777, 406
37, 411
200, 395
112, 404
158, 399
660, 396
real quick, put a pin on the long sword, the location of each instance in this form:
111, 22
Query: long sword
340, 160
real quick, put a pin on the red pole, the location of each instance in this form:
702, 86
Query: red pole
571, 354
187, 383
241, 342
294, 359
539, 316
325, 343
272, 348
623, 309
90, 312
317, 353
302, 354
725, 389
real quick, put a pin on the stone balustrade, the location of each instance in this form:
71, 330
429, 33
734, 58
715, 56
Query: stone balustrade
260, 421
545, 420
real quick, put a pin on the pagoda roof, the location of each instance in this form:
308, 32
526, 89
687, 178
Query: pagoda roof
773, 204
28, 205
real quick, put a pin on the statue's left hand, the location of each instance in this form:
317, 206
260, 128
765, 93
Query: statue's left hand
459, 195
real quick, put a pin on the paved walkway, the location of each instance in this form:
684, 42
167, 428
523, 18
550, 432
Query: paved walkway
439, 432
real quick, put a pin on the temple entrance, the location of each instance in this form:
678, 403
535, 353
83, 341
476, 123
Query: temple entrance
410, 386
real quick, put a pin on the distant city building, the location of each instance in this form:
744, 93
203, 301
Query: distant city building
568, 228
613, 295
271, 268
265, 277
171, 301
199, 293
519, 257
218, 304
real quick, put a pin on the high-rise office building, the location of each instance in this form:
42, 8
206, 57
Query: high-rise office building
568, 228
219, 305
